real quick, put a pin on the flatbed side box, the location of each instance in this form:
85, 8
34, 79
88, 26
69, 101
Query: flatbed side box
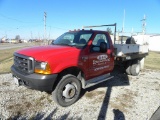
124, 49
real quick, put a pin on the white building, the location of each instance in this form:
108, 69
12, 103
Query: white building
154, 43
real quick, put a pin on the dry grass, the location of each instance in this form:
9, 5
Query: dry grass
6, 59
152, 61
5, 66
8, 53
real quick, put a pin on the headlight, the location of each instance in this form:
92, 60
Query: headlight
42, 68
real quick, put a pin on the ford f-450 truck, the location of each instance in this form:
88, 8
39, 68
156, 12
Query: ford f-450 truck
75, 60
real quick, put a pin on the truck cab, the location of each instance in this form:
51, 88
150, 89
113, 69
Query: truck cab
75, 60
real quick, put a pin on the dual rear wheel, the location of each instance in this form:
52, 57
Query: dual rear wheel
133, 67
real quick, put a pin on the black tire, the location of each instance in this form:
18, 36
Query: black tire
135, 68
130, 40
67, 91
128, 67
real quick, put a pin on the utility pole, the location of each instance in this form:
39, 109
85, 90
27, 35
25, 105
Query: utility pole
45, 16
123, 21
38, 36
31, 34
6, 34
144, 25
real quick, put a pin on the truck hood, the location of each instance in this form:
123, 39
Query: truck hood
42, 53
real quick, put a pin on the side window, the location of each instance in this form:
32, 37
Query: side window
100, 38
97, 40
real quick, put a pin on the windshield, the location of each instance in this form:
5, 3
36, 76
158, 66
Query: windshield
78, 39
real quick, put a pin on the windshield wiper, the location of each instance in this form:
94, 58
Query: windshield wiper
65, 44
62, 44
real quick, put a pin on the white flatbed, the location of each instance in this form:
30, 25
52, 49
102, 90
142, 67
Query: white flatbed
124, 49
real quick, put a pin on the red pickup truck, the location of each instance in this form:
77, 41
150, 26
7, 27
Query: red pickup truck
75, 60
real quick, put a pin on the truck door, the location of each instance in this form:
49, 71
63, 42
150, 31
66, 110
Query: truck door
100, 63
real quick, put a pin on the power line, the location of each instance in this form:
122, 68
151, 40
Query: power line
58, 28
10, 18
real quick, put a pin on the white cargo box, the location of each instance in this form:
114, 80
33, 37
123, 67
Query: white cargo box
123, 49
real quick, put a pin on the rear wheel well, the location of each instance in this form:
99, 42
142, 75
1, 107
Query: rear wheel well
77, 72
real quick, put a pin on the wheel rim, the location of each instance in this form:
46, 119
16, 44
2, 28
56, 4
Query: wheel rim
69, 91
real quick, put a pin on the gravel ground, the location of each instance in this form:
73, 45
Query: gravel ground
121, 98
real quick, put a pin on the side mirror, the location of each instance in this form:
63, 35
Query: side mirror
103, 47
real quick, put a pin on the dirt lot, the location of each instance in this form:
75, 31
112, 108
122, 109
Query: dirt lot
121, 98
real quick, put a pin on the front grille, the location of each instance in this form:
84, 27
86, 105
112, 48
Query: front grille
23, 63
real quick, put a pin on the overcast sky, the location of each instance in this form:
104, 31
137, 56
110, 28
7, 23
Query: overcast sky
26, 17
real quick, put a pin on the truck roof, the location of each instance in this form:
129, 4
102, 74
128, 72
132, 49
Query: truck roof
91, 30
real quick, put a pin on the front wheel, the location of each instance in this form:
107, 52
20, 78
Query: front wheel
67, 91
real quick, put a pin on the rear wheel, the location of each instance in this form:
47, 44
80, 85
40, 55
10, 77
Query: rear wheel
67, 90
142, 63
128, 67
135, 68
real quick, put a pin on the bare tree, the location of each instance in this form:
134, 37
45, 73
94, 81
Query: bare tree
17, 37
109, 31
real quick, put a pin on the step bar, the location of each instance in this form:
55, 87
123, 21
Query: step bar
97, 80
